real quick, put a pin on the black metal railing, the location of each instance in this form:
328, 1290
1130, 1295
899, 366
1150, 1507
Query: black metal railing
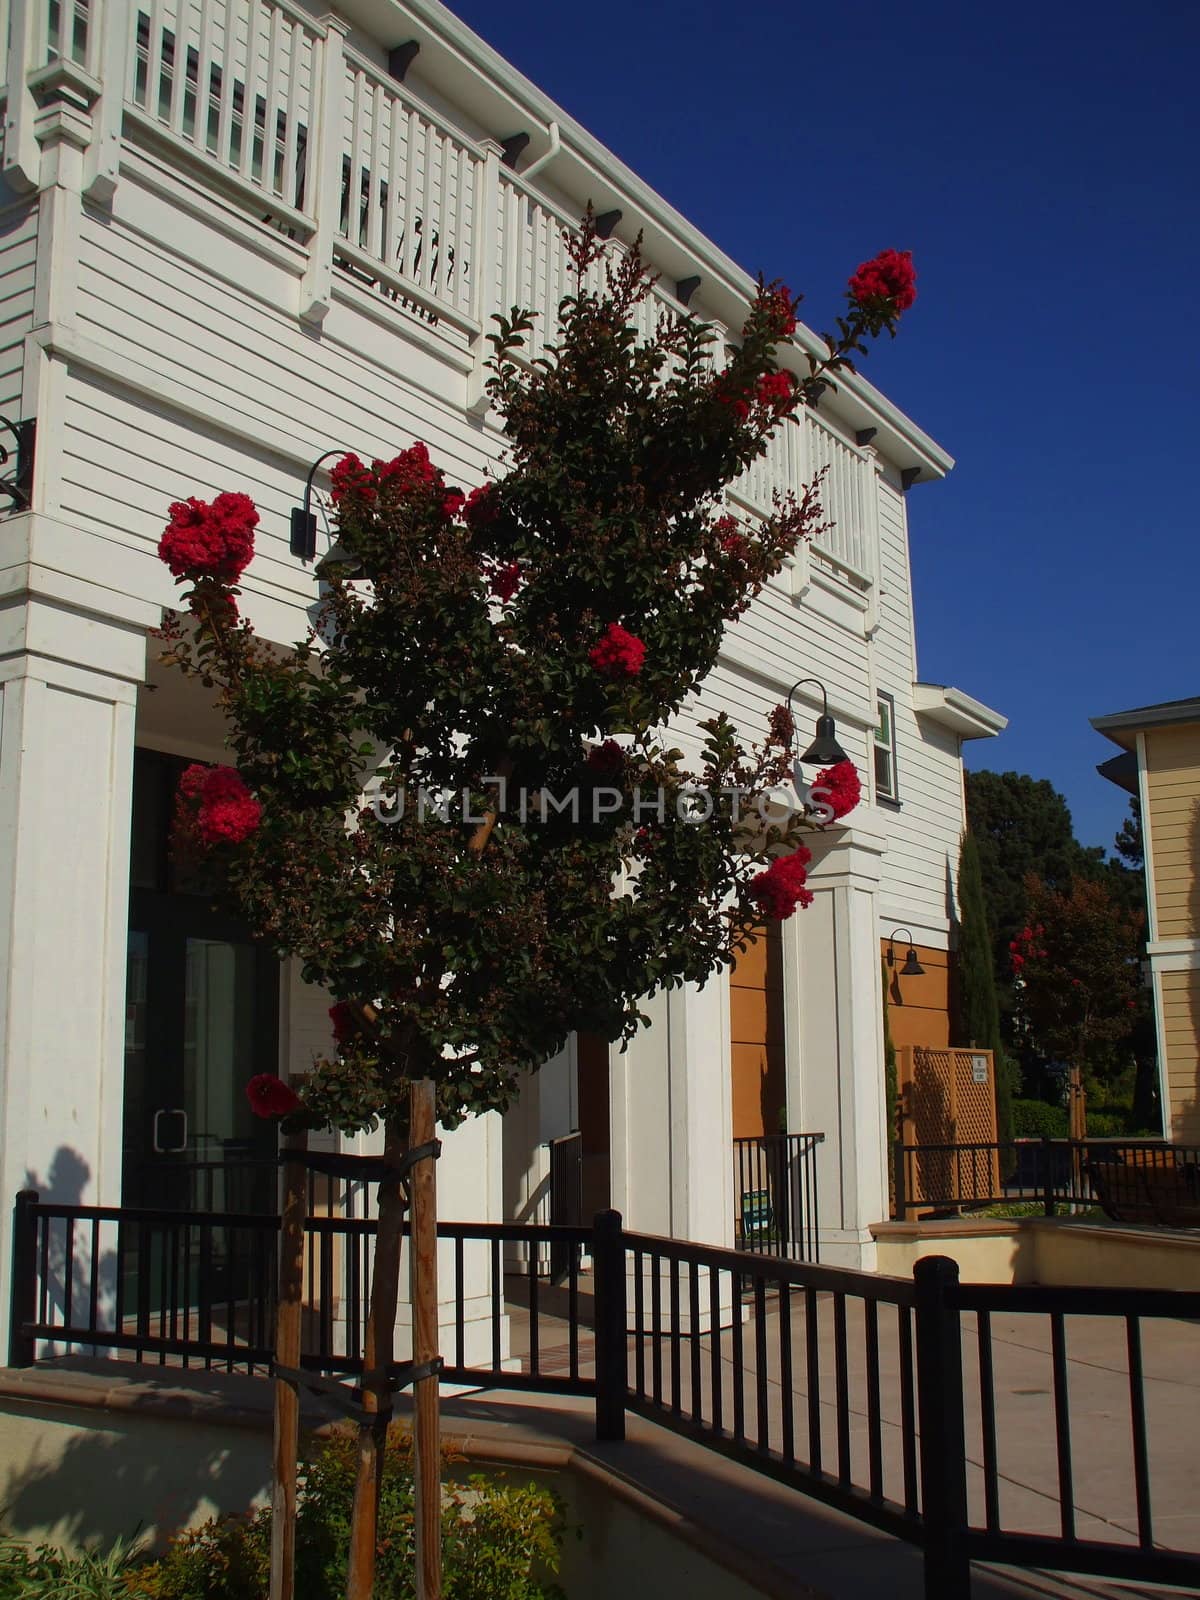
1132, 1180
775, 1185
893, 1399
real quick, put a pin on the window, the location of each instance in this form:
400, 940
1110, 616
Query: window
886, 787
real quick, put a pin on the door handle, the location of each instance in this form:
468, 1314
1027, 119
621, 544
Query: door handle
161, 1149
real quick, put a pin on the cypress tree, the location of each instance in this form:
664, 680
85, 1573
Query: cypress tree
978, 1012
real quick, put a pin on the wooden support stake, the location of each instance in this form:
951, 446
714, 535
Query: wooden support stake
287, 1354
427, 1451
378, 1346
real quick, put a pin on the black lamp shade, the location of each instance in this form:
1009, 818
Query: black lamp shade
912, 968
304, 533
824, 751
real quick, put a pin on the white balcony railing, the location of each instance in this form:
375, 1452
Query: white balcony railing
321, 143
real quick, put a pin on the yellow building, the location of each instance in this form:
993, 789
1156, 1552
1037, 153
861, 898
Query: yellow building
1160, 764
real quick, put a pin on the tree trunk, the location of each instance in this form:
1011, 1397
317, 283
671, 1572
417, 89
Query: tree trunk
427, 1444
378, 1342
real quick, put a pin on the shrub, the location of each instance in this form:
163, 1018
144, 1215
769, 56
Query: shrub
47, 1573
499, 1541
1034, 1119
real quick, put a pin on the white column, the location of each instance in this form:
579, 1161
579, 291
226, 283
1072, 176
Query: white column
835, 1073
68, 687
672, 1118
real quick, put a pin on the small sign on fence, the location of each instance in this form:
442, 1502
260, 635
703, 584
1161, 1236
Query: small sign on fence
757, 1215
979, 1069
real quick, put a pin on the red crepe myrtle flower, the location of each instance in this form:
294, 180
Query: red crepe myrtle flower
210, 539
1018, 961
506, 580
780, 889
777, 390
889, 276
619, 654
269, 1096
732, 542
342, 1020
781, 727
350, 476
221, 808
482, 506
453, 501
839, 787
410, 470
780, 305
607, 758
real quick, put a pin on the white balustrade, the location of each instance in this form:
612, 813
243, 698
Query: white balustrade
235, 80
366, 176
408, 200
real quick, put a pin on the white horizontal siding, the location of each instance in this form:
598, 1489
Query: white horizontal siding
18, 263
921, 863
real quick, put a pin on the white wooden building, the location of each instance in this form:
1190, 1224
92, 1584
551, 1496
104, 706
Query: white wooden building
233, 235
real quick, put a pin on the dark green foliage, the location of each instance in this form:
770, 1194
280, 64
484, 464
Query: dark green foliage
499, 1541
1035, 1119
977, 1013
1021, 825
1128, 842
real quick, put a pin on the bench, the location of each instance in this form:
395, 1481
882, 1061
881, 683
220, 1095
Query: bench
1166, 1194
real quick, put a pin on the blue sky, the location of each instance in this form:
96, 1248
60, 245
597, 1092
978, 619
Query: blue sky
1040, 162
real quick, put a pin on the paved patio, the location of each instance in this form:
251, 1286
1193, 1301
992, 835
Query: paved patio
1029, 1499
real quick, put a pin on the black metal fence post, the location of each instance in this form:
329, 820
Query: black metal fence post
23, 1301
612, 1373
943, 1434
1048, 1205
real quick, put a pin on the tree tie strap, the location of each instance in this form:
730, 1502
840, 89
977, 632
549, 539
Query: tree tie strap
350, 1400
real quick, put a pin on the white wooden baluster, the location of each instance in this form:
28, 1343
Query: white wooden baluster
245, 161
325, 144
483, 267
26, 49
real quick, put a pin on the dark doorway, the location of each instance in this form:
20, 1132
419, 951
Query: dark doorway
201, 1018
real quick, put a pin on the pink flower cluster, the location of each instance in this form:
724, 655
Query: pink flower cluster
840, 787
781, 888
618, 654
887, 276
207, 539
482, 506
219, 804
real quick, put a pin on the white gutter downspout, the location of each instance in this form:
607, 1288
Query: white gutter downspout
545, 160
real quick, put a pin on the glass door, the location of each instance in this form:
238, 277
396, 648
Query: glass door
201, 1019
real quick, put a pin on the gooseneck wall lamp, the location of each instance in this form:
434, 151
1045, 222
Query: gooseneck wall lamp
304, 521
824, 751
912, 968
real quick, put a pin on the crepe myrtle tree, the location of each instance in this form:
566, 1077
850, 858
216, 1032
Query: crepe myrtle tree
453, 801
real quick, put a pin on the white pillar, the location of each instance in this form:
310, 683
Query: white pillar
68, 688
835, 1072
672, 1118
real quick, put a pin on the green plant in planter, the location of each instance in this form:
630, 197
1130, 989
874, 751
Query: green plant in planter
500, 1541
47, 1573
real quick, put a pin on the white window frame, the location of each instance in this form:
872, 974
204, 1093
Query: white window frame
889, 789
